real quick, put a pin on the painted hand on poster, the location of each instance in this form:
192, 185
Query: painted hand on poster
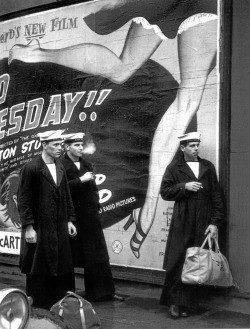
9, 216
197, 44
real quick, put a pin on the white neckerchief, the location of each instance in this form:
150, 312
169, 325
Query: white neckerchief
194, 165
52, 169
77, 163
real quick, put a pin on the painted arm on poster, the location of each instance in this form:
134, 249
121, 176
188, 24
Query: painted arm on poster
197, 47
141, 42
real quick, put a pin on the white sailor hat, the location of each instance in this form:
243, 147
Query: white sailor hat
51, 135
190, 137
73, 138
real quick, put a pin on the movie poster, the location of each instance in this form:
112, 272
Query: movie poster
133, 76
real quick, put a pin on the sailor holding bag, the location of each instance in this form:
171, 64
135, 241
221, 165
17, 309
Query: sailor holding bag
192, 183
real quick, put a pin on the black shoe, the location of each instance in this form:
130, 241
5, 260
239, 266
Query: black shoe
174, 311
184, 312
117, 297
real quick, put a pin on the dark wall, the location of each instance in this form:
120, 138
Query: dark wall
239, 212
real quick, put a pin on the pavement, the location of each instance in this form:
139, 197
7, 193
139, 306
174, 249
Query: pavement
137, 311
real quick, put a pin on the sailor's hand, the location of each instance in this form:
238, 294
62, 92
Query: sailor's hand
213, 230
88, 176
72, 229
193, 186
30, 234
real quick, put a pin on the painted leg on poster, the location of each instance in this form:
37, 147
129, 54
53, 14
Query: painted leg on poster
141, 42
197, 47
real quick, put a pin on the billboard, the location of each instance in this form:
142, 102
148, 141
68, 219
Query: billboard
131, 75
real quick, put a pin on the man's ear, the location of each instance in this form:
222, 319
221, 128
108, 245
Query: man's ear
44, 144
182, 148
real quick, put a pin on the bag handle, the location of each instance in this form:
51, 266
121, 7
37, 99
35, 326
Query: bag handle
210, 243
207, 240
69, 294
217, 248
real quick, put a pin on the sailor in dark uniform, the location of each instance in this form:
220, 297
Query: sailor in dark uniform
89, 247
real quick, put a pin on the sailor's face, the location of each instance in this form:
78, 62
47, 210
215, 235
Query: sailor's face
191, 151
75, 149
53, 149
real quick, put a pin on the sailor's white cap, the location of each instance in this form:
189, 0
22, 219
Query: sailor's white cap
190, 137
73, 138
51, 135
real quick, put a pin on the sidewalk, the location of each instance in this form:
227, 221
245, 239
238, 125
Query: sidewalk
138, 312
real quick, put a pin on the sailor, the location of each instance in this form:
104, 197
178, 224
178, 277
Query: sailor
89, 246
47, 216
192, 183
